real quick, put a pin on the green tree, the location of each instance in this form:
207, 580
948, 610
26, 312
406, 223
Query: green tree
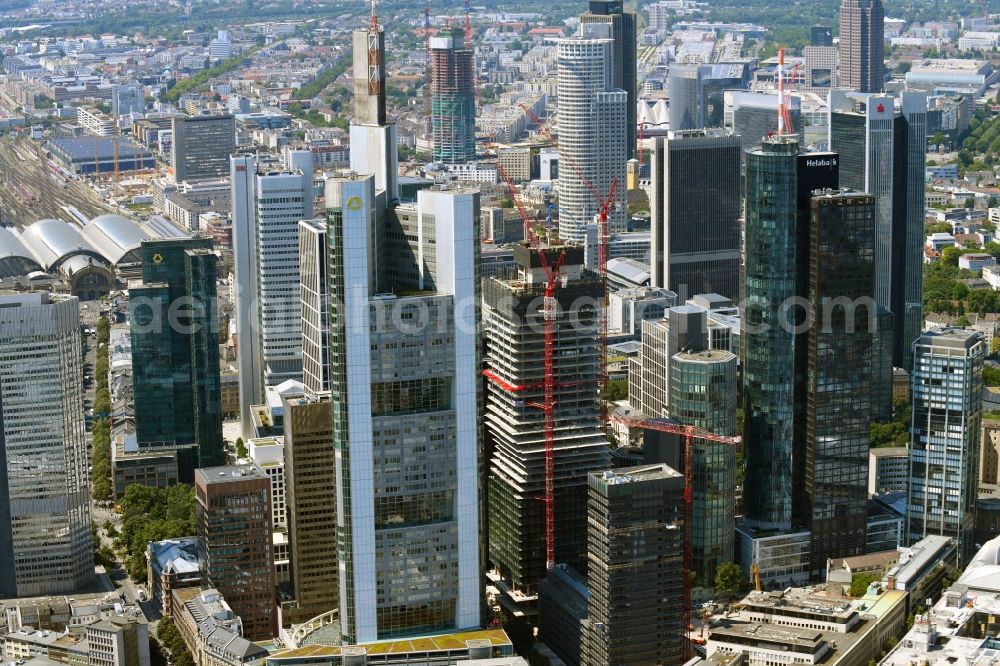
991, 375
860, 583
616, 389
241, 449
728, 580
171, 639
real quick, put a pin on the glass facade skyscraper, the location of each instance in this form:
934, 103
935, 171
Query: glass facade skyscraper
703, 394
45, 545
838, 391
767, 345
695, 209
946, 391
881, 141
175, 351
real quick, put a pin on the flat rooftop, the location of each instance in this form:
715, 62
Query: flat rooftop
431, 643
229, 473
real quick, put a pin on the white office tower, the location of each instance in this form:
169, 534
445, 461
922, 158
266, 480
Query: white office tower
44, 486
267, 208
220, 48
592, 133
947, 388
373, 138
405, 382
315, 306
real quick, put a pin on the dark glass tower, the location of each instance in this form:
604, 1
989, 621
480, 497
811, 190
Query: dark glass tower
838, 391
623, 54
881, 142
779, 181
175, 351
695, 207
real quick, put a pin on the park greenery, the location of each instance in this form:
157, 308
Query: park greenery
153, 514
896, 432
170, 638
861, 581
100, 460
199, 82
326, 77
728, 580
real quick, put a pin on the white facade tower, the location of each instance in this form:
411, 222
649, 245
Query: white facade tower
404, 374
267, 208
592, 133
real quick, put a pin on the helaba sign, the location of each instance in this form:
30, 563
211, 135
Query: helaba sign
821, 162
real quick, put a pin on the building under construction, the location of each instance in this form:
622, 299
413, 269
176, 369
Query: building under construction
453, 97
516, 420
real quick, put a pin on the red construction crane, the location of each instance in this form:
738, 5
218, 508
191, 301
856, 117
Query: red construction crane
549, 383
638, 148
468, 45
690, 434
784, 117
604, 204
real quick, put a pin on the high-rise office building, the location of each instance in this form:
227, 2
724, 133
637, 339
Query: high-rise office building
946, 391
755, 116
233, 509
515, 428
695, 208
315, 307
311, 495
635, 550
267, 208
373, 137
175, 353
202, 146
592, 132
44, 485
697, 93
881, 141
623, 57
779, 182
838, 391
862, 45
453, 97
405, 384
703, 394
126, 100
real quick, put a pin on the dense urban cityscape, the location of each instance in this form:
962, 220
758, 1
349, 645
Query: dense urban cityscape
592, 333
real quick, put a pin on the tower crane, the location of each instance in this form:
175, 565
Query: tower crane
691, 434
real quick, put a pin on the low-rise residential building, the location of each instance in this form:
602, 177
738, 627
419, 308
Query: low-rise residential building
211, 630
976, 261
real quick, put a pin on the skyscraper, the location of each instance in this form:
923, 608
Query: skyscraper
315, 306
404, 381
882, 151
373, 137
838, 398
175, 353
311, 489
946, 389
233, 509
267, 208
636, 551
697, 93
592, 132
862, 45
45, 543
779, 182
623, 55
516, 428
695, 207
453, 97
201, 146
755, 116
703, 394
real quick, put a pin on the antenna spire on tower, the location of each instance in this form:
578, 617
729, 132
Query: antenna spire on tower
373, 26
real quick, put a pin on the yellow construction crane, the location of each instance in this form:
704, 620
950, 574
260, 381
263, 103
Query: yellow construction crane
755, 574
